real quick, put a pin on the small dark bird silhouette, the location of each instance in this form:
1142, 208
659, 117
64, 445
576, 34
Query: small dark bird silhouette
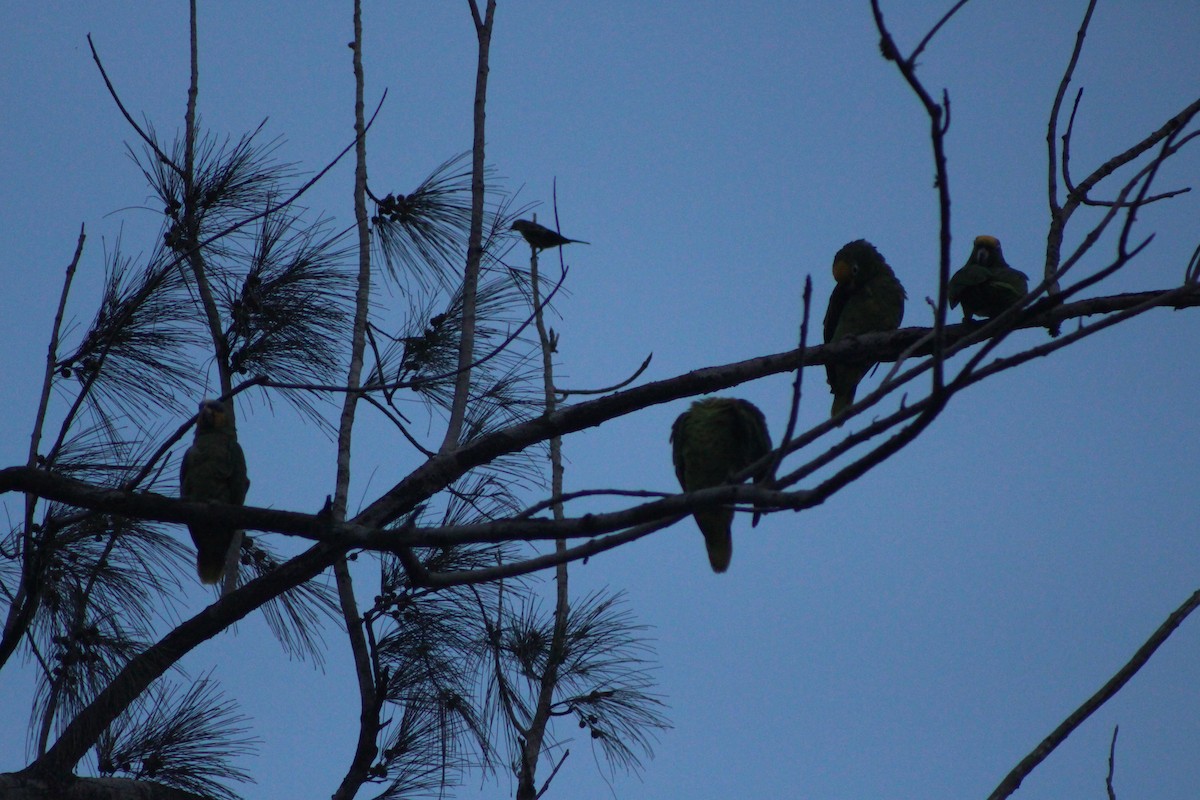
540, 237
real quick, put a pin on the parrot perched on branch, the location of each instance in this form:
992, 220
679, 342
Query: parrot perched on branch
213, 470
986, 285
868, 298
711, 442
540, 237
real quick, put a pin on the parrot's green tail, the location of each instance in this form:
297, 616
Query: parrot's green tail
843, 382
210, 565
841, 402
718, 537
212, 545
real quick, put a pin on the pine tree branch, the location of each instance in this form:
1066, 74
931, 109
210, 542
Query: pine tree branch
142, 670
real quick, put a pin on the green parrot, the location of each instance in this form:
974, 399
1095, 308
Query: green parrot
986, 285
540, 237
213, 470
867, 298
710, 442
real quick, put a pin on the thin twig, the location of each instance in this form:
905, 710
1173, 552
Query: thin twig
567, 497
1112, 764
396, 420
163, 157
565, 393
553, 772
1191, 274
518, 568
912, 59
797, 383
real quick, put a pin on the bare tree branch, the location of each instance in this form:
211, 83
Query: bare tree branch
1012, 781
365, 748
466, 355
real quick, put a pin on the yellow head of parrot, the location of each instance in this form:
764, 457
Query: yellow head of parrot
843, 271
987, 241
212, 415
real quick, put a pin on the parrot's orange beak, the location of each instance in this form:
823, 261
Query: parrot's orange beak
843, 271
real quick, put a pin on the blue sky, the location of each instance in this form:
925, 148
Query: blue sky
917, 634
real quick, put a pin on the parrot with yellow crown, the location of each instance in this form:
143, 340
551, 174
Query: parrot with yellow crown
986, 285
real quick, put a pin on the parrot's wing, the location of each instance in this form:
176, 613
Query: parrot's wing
833, 313
239, 482
757, 443
752, 433
183, 471
885, 309
965, 278
1014, 279
678, 434
900, 303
